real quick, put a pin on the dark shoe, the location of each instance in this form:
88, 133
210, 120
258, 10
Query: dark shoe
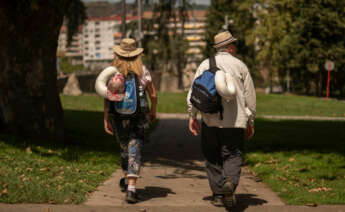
229, 199
132, 197
217, 200
123, 185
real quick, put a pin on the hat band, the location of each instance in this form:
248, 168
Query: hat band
127, 48
224, 41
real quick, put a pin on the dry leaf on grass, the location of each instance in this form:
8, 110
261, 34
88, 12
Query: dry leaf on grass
292, 159
311, 204
28, 150
4, 192
282, 178
272, 160
320, 189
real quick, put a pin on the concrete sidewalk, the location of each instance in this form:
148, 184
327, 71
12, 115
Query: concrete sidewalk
173, 174
308, 118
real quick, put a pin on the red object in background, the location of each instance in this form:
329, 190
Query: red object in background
328, 83
329, 66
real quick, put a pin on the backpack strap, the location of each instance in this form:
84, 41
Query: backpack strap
213, 65
214, 69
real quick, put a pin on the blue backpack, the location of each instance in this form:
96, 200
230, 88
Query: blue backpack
204, 94
129, 107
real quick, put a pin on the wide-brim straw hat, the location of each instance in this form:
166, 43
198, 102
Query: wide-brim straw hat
223, 39
127, 48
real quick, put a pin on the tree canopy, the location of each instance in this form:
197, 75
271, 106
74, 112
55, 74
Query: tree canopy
297, 37
290, 38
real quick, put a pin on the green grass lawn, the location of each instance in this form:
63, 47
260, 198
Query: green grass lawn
303, 161
43, 172
271, 104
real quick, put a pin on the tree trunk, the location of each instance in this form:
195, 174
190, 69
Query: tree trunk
29, 100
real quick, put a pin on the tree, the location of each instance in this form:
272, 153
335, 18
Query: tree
296, 37
29, 100
165, 44
241, 22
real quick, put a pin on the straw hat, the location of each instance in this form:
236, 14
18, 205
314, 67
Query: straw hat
223, 39
127, 48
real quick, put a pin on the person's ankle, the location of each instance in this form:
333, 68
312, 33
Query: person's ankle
131, 188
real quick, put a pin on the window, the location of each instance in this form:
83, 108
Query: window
97, 23
97, 30
86, 42
98, 48
97, 35
97, 42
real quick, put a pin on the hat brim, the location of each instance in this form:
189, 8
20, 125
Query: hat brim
123, 53
225, 42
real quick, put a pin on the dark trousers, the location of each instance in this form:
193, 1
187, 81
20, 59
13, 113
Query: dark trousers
222, 149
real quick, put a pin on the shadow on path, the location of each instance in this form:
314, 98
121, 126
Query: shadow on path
150, 192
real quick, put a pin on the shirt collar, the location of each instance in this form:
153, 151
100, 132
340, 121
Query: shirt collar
223, 53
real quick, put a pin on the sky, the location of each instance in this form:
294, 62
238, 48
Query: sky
207, 2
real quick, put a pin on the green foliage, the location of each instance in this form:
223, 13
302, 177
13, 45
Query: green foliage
298, 37
75, 15
241, 24
165, 40
67, 67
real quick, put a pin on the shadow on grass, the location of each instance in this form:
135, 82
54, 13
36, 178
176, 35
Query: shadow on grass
84, 133
298, 135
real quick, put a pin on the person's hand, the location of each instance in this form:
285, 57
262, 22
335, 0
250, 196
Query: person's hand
108, 128
249, 132
194, 126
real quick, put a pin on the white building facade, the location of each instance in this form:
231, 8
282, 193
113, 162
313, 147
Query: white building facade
98, 41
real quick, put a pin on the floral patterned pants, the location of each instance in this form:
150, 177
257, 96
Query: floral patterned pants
130, 136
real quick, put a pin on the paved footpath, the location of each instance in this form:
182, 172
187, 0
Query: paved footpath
173, 179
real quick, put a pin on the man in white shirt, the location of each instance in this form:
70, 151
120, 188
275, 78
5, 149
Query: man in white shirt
222, 139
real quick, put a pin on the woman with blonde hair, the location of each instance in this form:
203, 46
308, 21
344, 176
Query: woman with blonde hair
129, 132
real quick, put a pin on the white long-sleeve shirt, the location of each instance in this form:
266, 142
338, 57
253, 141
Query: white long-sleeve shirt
237, 111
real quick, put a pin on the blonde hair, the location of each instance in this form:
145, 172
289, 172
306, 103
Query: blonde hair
128, 64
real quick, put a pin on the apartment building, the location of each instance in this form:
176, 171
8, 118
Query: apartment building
98, 40
74, 50
194, 31
93, 45
99, 37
